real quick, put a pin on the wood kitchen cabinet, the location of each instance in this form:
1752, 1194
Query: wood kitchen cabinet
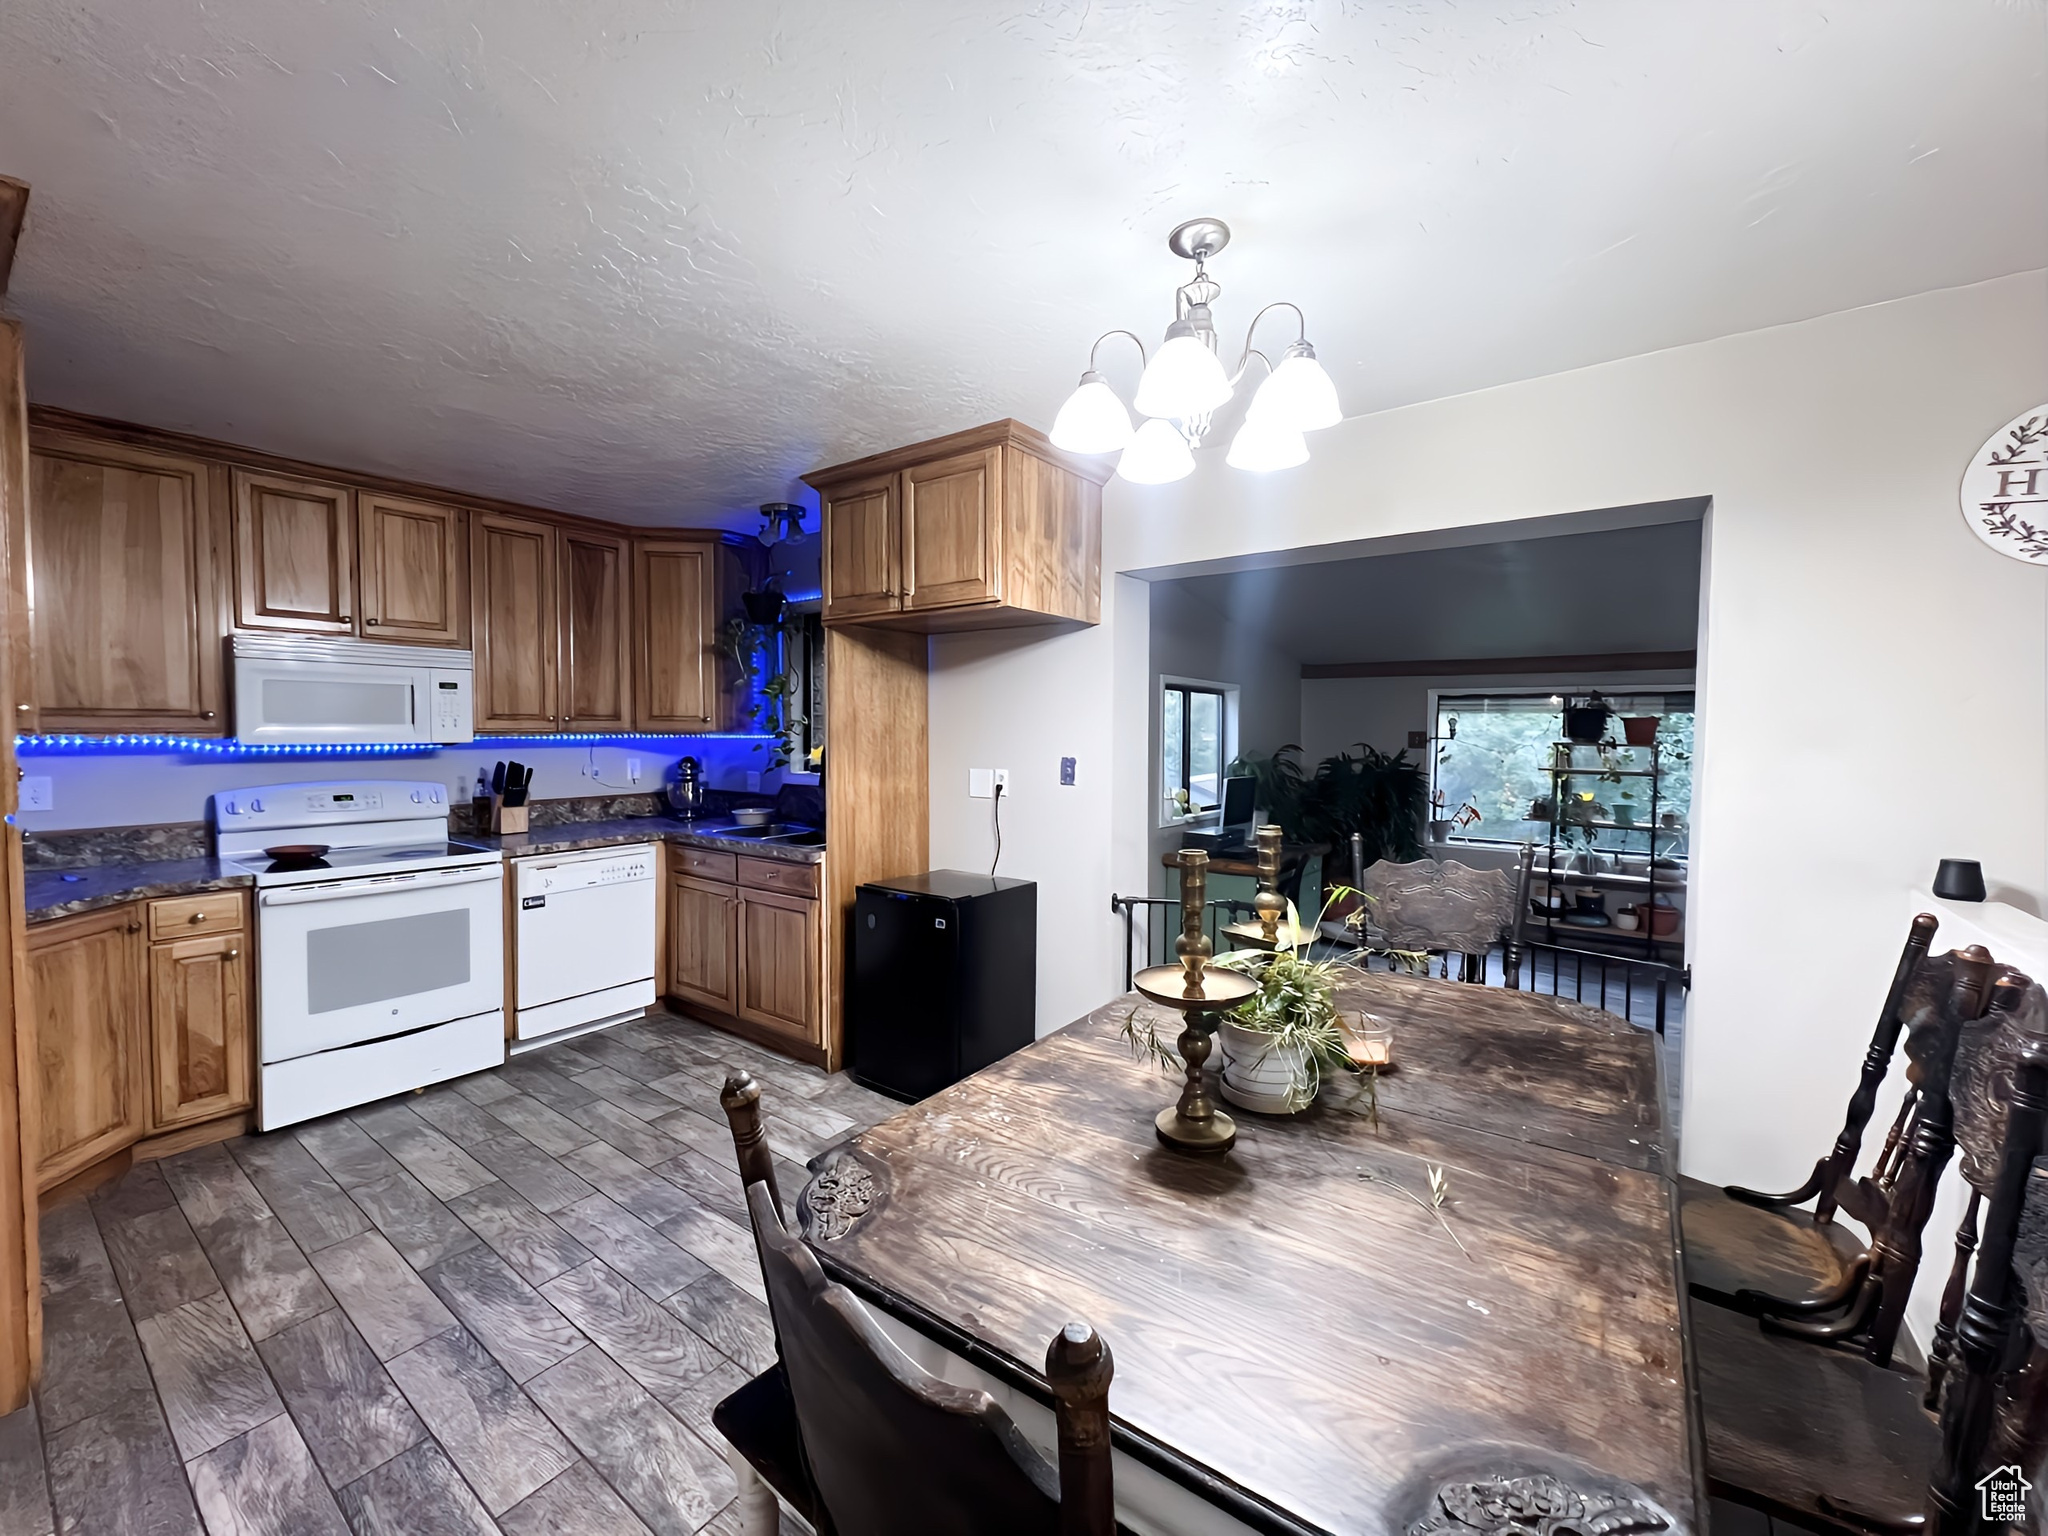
779, 963
414, 559
746, 949
127, 622
702, 954
295, 554
513, 623
92, 1038
199, 1029
144, 1025
596, 663
675, 588
985, 529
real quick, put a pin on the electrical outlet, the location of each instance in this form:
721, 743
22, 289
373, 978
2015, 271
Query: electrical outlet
1003, 779
1066, 770
981, 783
37, 793
633, 769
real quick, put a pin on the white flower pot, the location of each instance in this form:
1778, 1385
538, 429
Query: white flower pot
1261, 1076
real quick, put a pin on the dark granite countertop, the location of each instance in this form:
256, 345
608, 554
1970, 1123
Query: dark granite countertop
53, 893
572, 835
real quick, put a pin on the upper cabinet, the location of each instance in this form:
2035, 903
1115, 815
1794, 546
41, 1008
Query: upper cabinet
675, 588
984, 529
596, 668
415, 570
126, 629
295, 555
514, 623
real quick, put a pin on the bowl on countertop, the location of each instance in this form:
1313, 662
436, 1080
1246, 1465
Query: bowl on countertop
753, 815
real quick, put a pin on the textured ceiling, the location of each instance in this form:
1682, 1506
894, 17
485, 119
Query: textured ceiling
1579, 594
654, 258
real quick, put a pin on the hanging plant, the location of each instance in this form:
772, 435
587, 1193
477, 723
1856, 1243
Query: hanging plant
759, 651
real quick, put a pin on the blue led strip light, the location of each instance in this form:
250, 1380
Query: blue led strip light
214, 746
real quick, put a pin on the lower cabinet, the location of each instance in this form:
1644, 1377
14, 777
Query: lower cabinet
199, 1029
746, 944
92, 1039
135, 1038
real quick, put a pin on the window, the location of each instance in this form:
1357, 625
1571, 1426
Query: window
1491, 764
1193, 726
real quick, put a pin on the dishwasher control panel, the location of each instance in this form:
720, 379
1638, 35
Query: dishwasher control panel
542, 877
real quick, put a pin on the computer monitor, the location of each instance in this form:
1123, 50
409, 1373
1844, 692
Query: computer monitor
1235, 823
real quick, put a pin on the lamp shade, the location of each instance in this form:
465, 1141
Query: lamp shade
1261, 445
1183, 379
1093, 420
1157, 454
1298, 395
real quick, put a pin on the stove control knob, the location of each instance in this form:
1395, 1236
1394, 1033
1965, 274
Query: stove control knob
229, 808
434, 795
256, 806
415, 797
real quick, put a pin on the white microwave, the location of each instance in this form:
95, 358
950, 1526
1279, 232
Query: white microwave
349, 692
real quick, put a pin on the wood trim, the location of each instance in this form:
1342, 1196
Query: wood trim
878, 794
1515, 666
18, 627
21, 1310
49, 418
13, 211
202, 1134
86, 1180
990, 435
777, 1040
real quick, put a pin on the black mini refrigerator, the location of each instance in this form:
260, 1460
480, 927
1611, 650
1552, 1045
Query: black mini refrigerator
944, 979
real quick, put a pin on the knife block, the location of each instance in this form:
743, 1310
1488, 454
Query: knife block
507, 818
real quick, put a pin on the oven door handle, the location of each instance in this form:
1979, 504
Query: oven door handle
355, 890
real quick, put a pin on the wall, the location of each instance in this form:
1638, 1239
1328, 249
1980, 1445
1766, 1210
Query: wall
1192, 639
116, 789
1339, 712
1832, 450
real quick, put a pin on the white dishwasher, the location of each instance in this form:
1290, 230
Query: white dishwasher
585, 941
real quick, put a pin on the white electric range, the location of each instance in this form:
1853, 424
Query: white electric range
380, 964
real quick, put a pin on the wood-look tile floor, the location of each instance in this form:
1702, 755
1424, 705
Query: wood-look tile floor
506, 1304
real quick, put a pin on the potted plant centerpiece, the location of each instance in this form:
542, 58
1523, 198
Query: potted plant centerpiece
1279, 1042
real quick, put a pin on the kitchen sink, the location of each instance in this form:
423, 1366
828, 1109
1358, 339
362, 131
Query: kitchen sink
787, 832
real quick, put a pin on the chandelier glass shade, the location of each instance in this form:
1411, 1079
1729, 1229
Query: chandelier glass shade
1093, 420
1185, 382
1157, 453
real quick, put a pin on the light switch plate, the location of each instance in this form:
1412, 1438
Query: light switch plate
981, 783
1066, 770
37, 792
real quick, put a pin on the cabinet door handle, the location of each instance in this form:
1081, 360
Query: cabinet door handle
135, 927
23, 709
345, 619
206, 715
233, 954
371, 623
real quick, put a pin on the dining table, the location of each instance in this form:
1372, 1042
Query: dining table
1444, 1300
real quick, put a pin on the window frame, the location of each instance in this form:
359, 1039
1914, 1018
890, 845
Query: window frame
1561, 690
1188, 687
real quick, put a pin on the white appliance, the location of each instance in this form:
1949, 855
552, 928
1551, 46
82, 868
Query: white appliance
339, 692
380, 966
586, 940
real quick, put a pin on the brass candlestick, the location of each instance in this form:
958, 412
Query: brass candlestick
1202, 993
1269, 904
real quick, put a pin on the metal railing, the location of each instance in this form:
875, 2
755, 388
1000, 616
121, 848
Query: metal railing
1645, 992
1617, 983
1160, 932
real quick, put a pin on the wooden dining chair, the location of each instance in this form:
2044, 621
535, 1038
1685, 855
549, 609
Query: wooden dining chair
1445, 909
862, 1441
1828, 1439
1765, 1254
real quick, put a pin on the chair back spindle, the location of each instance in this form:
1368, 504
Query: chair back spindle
1840, 1163
741, 1101
1990, 1313
1078, 1367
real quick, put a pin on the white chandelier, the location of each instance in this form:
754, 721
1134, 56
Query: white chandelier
1184, 384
